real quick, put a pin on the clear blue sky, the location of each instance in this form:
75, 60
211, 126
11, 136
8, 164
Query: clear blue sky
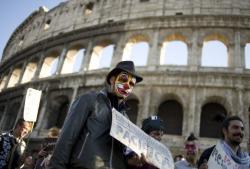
14, 12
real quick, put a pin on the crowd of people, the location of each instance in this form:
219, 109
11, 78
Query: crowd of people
85, 141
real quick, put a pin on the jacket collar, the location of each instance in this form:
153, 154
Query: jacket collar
113, 100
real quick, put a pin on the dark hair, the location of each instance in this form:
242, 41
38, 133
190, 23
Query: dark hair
20, 121
226, 122
191, 137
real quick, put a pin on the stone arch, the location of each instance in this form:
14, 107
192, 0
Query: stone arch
15, 76
102, 54
170, 110
220, 100
174, 50
73, 60
137, 49
3, 82
50, 64
30, 71
57, 109
213, 112
11, 114
133, 103
215, 47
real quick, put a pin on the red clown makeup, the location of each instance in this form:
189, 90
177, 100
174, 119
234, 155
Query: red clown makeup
124, 84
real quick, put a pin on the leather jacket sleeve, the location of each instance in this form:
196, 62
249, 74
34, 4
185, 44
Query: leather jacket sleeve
72, 127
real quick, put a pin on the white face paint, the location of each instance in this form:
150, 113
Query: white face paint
124, 84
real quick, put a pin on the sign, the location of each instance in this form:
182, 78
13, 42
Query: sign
220, 160
133, 137
32, 101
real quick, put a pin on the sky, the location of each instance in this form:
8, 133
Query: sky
14, 12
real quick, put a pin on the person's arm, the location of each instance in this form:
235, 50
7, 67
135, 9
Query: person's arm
72, 126
202, 163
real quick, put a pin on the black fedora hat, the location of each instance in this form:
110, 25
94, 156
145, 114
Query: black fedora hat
126, 66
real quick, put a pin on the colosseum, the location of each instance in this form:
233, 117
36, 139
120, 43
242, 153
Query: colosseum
68, 50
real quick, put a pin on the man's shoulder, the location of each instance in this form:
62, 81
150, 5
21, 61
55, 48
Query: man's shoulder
209, 150
181, 163
6, 134
205, 155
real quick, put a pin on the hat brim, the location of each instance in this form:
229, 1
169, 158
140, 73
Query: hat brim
116, 71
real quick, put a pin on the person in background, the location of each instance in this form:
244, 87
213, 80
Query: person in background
85, 142
232, 136
12, 145
191, 149
155, 128
47, 148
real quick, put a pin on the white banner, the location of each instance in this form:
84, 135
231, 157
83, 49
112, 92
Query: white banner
133, 137
32, 101
220, 160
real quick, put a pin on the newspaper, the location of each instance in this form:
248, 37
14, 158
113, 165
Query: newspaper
220, 160
133, 137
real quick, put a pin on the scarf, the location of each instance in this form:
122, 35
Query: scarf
239, 157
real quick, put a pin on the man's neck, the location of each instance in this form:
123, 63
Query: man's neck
235, 148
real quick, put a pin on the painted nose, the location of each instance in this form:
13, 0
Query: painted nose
126, 86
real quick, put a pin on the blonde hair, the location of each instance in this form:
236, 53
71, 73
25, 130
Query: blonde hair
54, 132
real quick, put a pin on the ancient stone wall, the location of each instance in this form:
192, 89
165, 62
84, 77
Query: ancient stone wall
191, 90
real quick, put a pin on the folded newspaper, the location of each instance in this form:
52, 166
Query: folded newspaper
133, 137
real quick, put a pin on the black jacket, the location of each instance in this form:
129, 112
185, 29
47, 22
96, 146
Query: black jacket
85, 142
205, 155
11, 151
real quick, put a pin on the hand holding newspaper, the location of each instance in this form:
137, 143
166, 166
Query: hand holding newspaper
133, 137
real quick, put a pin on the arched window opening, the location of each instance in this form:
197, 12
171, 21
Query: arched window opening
11, 115
174, 53
89, 8
212, 114
49, 66
14, 78
171, 113
47, 24
133, 109
21, 40
214, 54
101, 56
3, 82
137, 50
247, 55
58, 109
29, 72
73, 60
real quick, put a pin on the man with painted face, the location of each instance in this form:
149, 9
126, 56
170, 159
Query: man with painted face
191, 149
85, 142
232, 137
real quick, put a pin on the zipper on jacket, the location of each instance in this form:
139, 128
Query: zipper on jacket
111, 154
83, 145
